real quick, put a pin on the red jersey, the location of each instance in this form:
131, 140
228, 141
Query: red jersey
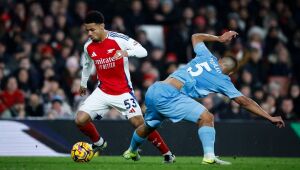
113, 75
7, 100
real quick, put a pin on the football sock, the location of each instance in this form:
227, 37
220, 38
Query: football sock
99, 142
207, 136
159, 143
90, 130
136, 141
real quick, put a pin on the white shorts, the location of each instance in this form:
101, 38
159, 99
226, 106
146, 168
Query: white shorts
99, 103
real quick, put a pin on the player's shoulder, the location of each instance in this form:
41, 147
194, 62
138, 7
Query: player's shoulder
87, 43
117, 35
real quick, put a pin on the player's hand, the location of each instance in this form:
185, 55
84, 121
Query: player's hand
82, 91
228, 36
277, 121
120, 54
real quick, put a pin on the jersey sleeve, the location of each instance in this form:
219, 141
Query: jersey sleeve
87, 64
229, 90
133, 48
201, 50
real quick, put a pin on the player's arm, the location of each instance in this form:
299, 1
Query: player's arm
87, 65
253, 107
130, 48
201, 37
227, 88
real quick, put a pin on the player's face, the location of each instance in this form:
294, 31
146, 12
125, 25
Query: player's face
95, 31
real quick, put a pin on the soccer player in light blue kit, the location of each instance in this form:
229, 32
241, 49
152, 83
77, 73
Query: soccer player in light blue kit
174, 97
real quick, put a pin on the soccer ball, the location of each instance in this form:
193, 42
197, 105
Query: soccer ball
82, 152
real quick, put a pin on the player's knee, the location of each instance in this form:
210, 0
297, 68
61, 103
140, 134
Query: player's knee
81, 119
206, 119
143, 130
136, 121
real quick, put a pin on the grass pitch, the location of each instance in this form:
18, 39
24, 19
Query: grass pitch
146, 163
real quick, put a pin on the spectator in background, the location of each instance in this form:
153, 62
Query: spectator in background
4, 56
34, 108
57, 109
135, 17
34, 77
256, 65
23, 82
50, 89
152, 11
118, 25
287, 109
187, 17
12, 100
270, 103
143, 40
76, 99
258, 94
168, 15
280, 62
246, 79
156, 57
71, 71
80, 13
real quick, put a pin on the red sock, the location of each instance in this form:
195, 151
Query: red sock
158, 142
90, 130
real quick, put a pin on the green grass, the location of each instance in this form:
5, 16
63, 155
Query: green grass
146, 163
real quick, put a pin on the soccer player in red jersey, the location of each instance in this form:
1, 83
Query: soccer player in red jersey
109, 52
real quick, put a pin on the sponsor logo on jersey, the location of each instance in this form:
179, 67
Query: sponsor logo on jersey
110, 50
94, 54
105, 63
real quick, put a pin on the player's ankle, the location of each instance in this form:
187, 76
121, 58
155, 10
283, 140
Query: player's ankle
167, 153
209, 156
99, 142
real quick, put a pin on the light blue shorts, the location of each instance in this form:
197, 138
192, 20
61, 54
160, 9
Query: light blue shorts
164, 101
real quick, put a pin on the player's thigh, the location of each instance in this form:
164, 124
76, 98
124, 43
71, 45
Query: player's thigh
126, 104
180, 107
196, 110
95, 105
153, 118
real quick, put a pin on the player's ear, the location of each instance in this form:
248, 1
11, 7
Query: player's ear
102, 26
230, 73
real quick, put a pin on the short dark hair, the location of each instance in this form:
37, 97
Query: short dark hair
94, 17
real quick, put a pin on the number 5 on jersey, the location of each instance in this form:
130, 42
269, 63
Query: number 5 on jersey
199, 70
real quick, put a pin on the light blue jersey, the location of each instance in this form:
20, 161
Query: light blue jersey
200, 76
203, 75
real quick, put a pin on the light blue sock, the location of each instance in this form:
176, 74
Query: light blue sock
136, 141
207, 136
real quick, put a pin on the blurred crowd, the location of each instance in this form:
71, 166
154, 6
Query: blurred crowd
41, 43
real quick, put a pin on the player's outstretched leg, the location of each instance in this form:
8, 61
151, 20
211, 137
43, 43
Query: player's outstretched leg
207, 133
86, 126
155, 139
